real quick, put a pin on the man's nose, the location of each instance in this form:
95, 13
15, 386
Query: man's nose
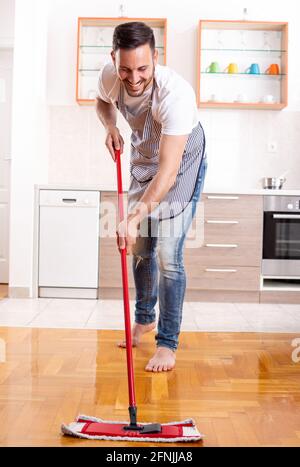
134, 77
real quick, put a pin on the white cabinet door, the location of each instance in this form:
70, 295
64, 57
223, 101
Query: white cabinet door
69, 239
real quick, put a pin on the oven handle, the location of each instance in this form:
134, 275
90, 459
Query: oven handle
286, 216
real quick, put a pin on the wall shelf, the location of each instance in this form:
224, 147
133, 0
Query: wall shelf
246, 50
242, 43
251, 75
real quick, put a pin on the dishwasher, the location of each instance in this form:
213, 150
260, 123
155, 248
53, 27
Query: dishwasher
68, 258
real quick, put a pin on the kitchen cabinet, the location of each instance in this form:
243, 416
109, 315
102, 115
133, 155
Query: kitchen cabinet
110, 266
76, 256
242, 64
226, 265
94, 45
229, 261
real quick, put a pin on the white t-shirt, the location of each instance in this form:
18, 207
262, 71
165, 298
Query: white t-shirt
174, 103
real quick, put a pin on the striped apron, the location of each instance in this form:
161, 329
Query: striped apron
144, 160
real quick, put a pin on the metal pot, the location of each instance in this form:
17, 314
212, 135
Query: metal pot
273, 183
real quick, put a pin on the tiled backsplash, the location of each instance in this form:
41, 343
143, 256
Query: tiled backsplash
237, 147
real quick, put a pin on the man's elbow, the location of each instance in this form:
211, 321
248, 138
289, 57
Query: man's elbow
97, 102
172, 179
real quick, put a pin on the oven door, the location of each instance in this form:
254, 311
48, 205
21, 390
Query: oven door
281, 244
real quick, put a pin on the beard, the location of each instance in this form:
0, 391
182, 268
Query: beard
143, 85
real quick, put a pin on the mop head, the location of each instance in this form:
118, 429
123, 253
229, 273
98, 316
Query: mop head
96, 428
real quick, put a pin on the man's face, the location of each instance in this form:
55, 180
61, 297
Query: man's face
135, 68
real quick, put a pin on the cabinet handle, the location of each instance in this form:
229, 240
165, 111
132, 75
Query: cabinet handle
222, 222
69, 200
222, 197
220, 270
286, 216
221, 245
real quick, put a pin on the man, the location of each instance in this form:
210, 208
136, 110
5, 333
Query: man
167, 169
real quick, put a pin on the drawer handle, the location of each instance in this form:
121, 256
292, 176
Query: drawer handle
220, 270
221, 245
222, 222
286, 216
222, 197
69, 200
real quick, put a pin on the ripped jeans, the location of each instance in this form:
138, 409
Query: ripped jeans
159, 273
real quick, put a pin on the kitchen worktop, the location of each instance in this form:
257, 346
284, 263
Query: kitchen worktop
237, 191
254, 191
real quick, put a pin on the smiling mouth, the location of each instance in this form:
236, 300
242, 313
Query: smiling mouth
134, 86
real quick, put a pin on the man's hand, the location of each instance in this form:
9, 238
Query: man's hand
107, 114
114, 140
127, 233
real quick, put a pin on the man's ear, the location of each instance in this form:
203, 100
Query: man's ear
155, 57
113, 57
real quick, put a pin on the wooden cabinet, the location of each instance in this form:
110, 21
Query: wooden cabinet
230, 278
94, 45
242, 64
230, 258
110, 264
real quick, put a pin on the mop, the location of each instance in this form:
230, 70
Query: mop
96, 428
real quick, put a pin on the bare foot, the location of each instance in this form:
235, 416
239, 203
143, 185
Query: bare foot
163, 360
137, 331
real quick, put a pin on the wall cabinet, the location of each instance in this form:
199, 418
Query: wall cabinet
94, 45
242, 64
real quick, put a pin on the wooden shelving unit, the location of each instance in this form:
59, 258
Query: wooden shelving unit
242, 43
94, 45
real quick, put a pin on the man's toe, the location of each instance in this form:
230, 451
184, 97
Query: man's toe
149, 367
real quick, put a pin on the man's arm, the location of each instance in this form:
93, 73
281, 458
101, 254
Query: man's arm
171, 150
107, 114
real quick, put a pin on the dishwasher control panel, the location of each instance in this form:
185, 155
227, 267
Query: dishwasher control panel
69, 198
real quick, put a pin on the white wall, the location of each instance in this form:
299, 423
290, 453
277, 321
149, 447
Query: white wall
7, 23
237, 140
29, 133
71, 149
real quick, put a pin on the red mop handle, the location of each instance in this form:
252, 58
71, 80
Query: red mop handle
130, 374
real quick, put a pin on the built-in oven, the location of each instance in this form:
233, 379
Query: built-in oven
281, 236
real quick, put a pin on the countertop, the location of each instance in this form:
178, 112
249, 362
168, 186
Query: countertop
226, 191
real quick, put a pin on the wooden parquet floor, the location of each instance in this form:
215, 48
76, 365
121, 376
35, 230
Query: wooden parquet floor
243, 389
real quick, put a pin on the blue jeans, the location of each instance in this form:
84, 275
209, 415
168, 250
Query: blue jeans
156, 253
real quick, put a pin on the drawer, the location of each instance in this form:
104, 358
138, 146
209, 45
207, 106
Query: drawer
109, 196
112, 197
110, 265
212, 277
221, 254
239, 244
109, 208
241, 231
232, 207
226, 238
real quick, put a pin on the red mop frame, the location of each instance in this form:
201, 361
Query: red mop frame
133, 426
130, 374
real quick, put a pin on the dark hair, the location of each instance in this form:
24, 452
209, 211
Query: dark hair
132, 35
